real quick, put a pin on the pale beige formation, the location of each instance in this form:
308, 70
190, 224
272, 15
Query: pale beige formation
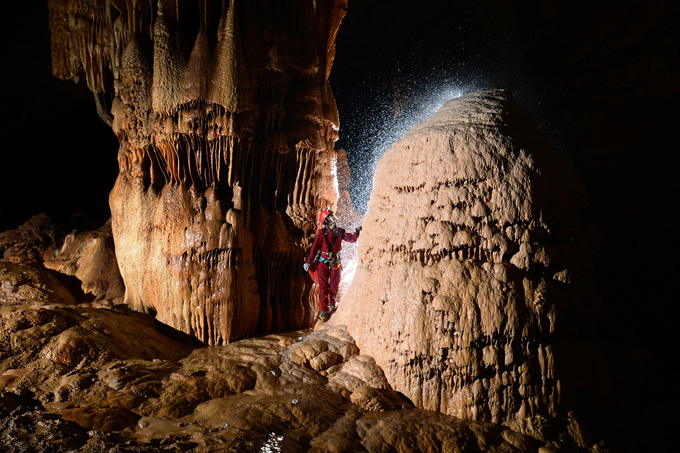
226, 123
474, 248
94, 377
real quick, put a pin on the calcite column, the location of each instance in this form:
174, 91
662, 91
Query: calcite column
226, 123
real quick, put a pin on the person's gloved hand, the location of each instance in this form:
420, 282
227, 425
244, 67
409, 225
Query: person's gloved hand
358, 230
305, 267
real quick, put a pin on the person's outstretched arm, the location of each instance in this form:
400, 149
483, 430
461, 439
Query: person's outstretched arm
351, 237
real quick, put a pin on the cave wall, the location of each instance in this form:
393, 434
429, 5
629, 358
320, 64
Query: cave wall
226, 123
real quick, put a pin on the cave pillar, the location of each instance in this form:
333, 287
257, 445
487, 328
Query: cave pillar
226, 123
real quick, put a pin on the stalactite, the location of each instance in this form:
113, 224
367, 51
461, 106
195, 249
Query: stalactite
168, 66
228, 63
251, 121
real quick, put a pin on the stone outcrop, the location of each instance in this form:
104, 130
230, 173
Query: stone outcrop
20, 282
473, 264
31, 241
91, 258
84, 260
226, 123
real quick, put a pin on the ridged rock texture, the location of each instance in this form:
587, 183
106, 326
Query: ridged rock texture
226, 123
473, 263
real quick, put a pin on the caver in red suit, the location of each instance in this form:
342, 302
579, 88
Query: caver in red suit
327, 246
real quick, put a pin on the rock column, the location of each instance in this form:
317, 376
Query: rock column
226, 123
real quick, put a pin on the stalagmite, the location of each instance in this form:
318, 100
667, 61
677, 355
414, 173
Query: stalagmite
473, 335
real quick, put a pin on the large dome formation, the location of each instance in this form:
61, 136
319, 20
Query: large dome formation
474, 257
226, 123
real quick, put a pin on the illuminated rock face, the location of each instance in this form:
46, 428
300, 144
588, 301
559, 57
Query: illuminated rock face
474, 255
226, 123
90, 257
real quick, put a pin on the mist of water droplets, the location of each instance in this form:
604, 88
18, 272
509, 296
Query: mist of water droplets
382, 126
272, 444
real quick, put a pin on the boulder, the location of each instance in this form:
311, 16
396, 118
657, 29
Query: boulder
474, 255
90, 256
32, 240
26, 282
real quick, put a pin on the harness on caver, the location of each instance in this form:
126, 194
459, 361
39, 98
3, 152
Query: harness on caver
332, 260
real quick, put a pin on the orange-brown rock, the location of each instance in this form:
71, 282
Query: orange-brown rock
21, 282
31, 241
93, 376
226, 123
101, 419
90, 257
473, 257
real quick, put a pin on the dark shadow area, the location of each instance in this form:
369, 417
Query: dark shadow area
58, 155
73, 284
166, 330
177, 335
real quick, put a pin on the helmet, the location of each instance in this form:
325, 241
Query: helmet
325, 213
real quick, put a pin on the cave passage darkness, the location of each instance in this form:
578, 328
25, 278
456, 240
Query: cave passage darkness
601, 80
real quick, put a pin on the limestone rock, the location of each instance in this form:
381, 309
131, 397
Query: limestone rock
360, 371
24, 426
226, 123
90, 256
98, 376
474, 254
29, 242
417, 431
305, 353
21, 282
101, 419
379, 399
544, 429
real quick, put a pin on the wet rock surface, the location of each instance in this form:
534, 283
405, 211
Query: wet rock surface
475, 254
20, 282
97, 376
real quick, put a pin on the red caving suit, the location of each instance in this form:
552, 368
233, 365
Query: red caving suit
329, 272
